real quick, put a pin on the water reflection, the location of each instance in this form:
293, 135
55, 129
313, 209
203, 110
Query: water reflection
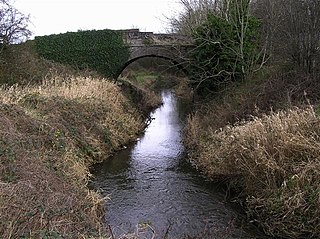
149, 182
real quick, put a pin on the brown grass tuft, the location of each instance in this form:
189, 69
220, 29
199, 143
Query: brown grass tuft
275, 160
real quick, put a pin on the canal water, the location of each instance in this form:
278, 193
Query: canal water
153, 191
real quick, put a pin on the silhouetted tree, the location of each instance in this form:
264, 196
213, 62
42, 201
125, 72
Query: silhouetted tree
13, 24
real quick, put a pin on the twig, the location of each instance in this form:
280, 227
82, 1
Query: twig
110, 229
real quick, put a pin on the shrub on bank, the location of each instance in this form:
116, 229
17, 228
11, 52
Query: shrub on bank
274, 161
49, 136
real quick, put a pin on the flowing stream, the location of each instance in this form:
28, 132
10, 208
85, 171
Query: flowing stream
153, 191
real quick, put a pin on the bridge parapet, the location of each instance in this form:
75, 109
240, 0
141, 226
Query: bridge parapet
135, 37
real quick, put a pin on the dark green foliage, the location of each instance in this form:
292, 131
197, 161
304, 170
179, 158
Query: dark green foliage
100, 50
220, 57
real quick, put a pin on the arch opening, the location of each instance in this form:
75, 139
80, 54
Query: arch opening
173, 61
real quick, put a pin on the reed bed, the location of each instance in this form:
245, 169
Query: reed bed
272, 161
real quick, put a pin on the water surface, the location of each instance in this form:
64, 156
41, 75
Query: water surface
152, 189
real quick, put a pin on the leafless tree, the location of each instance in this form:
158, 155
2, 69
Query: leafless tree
13, 24
193, 13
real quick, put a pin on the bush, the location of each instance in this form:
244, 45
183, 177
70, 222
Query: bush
220, 55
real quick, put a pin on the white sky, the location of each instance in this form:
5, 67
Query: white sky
59, 16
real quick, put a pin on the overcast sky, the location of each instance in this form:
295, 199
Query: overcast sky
59, 16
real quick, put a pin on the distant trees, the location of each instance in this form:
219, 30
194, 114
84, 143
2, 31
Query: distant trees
291, 30
13, 24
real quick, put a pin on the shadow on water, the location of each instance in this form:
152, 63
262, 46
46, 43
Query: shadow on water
152, 188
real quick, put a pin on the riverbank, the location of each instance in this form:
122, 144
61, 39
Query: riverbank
265, 145
49, 136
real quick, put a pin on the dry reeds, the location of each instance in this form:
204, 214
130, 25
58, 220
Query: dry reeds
275, 161
49, 136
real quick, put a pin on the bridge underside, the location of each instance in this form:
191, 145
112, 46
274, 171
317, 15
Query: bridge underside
174, 62
175, 54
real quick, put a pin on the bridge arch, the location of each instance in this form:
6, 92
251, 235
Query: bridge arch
175, 62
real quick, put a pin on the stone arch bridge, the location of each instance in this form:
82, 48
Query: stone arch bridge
173, 47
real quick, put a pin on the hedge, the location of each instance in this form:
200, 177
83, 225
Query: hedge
100, 50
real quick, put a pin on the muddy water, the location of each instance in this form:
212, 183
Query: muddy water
153, 191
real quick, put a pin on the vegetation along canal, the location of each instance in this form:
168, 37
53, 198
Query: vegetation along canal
152, 189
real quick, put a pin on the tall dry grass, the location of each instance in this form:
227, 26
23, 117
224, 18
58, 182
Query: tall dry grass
49, 135
273, 160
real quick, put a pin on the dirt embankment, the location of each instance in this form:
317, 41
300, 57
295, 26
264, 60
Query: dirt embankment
49, 136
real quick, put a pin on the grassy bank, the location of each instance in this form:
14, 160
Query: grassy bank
262, 138
49, 135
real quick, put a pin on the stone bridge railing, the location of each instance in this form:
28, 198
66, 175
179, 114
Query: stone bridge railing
135, 37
